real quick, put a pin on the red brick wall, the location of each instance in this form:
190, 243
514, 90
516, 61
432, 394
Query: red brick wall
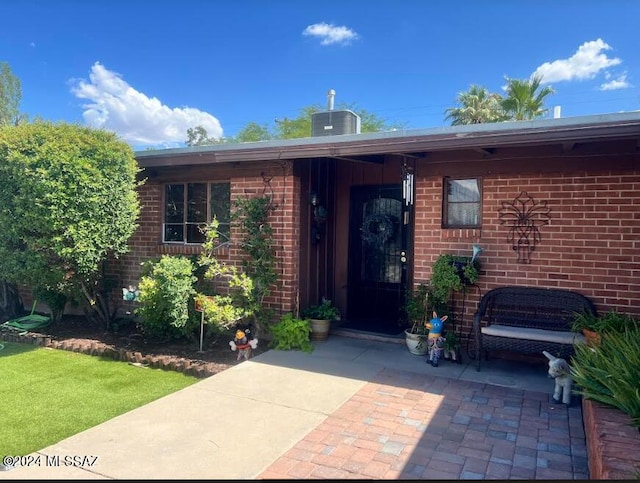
147, 240
613, 442
591, 244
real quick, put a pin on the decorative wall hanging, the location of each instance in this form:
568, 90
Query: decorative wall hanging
407, 184
376, 229
268, 190
524, 216
319, 217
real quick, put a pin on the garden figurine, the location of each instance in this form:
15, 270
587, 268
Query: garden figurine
560, 371
435, 339
243, 343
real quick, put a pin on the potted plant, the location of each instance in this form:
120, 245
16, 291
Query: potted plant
291, 333
419, 305
452, 346
452, 273
609, 373
320, 317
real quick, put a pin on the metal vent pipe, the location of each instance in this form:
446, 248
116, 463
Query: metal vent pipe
330, 96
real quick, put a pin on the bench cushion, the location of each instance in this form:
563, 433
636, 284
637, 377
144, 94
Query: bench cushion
555, 336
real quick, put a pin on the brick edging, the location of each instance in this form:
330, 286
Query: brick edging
613, 443
199, 369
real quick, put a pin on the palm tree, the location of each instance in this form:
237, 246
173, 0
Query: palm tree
477, 106
524, 101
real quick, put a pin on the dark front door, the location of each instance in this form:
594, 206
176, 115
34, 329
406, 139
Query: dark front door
377, 260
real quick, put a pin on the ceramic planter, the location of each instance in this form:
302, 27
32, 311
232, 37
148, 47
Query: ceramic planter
319, 329
416, 343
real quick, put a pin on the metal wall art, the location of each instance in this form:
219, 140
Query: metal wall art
524, 217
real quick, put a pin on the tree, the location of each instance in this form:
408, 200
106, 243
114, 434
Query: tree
476, 106
253, 132
10, 97
525, 99
68, 203
299, 127
198, 136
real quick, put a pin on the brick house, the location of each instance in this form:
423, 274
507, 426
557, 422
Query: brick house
361, 217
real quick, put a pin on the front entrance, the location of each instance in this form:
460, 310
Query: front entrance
377, 259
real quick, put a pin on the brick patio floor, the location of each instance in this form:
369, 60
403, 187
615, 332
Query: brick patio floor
404, 425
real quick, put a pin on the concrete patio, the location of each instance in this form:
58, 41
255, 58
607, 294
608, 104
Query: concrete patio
353, 408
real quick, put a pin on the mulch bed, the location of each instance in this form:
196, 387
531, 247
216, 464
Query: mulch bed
78, 334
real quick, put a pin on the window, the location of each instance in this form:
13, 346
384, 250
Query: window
190, 206
462, 203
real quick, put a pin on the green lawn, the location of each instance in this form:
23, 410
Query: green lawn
49, 395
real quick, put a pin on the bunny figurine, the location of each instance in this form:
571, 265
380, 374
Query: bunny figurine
435, 340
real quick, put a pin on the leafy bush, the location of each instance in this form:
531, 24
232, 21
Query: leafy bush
420, 303
612, 321
291, 333
609, 372
251, 217
166, 290
56, 301
69, 202
452, 273
324, 311
220, 313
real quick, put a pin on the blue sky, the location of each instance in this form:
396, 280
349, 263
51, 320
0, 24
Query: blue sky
149, 70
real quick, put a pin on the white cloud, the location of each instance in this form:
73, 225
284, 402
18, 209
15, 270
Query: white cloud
588, 61
619, 83
330, 34
116, 106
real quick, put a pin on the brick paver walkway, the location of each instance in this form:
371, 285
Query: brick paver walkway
408, 426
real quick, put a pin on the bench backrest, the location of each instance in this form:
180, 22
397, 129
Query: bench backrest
533, 307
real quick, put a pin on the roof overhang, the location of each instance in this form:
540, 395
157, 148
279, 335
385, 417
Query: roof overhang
371, 147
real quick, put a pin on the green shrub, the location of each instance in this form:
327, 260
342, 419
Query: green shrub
420, 303
324, 311
612, 321
450, 273
609, 372
56, 301
166, 291
220, 313
291, 333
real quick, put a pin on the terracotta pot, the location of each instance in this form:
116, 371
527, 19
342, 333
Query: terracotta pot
319, 329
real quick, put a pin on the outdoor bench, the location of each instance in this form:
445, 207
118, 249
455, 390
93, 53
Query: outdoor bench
528, 320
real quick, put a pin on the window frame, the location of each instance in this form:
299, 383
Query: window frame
185, 212
446, 203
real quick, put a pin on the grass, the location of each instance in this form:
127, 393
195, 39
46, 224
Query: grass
49, 395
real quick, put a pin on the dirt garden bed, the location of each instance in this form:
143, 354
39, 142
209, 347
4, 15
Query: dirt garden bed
76, 333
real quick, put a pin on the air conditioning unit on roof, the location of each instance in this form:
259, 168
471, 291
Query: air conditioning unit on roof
331, 123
